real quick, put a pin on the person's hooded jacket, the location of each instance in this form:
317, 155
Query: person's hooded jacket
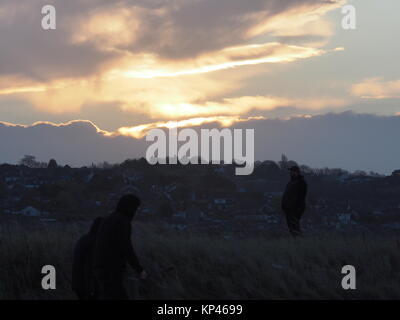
83, 282
113, 248
294, 197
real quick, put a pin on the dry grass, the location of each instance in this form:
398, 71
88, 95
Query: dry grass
192, 267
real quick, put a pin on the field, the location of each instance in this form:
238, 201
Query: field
183, 266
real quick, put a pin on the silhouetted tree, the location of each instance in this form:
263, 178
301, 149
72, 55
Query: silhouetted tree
268, 169
360, 173
284, 162
52, 164
30, 161
396, 173
104, 165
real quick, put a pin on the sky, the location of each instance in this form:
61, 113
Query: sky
119, 68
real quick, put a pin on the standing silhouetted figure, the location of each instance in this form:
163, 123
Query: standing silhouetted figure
83, 281
294, 200
114, 250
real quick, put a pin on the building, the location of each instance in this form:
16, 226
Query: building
344, 218
30, 212
396, 173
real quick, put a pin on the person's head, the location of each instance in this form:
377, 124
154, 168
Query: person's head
294, 172
128, 204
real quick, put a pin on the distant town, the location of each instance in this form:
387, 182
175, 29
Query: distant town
207, 199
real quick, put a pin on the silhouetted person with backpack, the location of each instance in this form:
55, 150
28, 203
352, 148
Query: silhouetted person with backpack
83, 281
294, 200
113, 250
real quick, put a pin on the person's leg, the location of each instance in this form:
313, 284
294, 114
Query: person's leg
293, 222
112, 289
290, 222
81, 296
299, 214
116, 291
123, 294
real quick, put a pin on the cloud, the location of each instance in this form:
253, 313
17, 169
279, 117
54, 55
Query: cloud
165, 97
192, 95
243, 105
158, 58
377, 88
75, 143
90, 34
33, 53
143, 96
225, 112
183, 29
224, 59
141, 130
155, 88
346, 140
297, 24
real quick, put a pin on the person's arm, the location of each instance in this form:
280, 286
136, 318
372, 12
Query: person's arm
301, 193
305, 191
134, 260
130, 253
284, 199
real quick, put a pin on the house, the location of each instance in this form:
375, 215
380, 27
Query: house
377, 213
179, 227
265, 209
220, 201
48, 220
179, 215
194, 214
29, 211
270, 219
395, 226
396, 173
272, 194
344, 218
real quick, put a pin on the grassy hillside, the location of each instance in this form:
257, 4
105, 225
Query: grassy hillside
192, 267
